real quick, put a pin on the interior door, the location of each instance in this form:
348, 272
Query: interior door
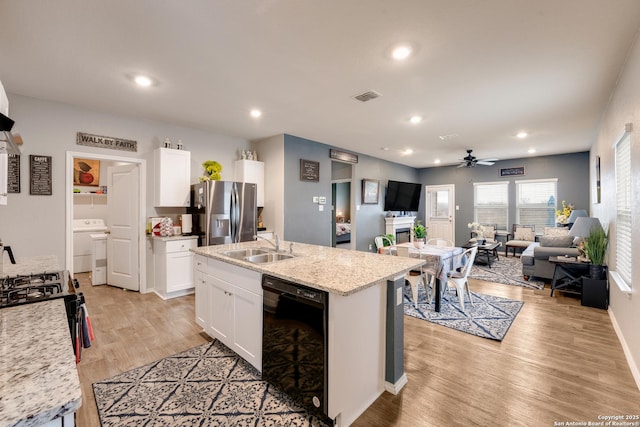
440, 212
123, 265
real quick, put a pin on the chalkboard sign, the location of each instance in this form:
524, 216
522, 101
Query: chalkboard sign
40, 171
13, 174
309, 170
512, 171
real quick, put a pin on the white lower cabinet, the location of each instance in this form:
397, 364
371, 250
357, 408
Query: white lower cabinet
174, 267
229, 306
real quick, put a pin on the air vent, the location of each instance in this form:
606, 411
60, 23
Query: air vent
367, 96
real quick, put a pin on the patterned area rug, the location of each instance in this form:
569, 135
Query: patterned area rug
506, 270
488, 317
208, 385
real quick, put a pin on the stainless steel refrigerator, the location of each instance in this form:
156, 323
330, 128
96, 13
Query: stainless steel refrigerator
223, 212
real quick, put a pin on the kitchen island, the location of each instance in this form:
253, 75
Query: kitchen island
39, 384
365, 313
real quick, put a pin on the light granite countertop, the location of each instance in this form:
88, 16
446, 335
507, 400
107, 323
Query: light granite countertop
170, 238
338, 271
38, 377
31, 265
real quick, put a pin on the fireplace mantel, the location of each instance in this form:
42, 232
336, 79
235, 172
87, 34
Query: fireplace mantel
393, 224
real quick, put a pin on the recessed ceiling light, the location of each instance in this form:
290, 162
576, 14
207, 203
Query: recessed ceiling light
415, 119
531, 150
408, 151
522, 134
143, 81
401, 52
385, 148
436, 161
256, 113
448, 137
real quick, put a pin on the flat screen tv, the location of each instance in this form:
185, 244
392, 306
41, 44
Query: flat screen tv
402, 196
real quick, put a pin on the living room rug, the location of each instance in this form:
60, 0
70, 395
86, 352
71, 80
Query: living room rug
204, 386
489, 316
505, 270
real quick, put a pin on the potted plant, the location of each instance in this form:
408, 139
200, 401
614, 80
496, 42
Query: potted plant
419, 234
388, 239
595, 246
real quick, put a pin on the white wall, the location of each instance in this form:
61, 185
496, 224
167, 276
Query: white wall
624, 108
35, 225
271, 152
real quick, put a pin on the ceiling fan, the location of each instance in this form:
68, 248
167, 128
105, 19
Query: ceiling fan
470, 161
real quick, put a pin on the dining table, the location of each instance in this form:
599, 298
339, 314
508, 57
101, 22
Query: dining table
440, 260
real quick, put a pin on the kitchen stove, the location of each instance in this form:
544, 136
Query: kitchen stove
25, 289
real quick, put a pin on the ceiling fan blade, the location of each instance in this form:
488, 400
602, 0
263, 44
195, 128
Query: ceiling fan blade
484, 162
461, 165
493, 159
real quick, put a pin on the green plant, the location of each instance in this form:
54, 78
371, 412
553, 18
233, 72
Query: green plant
419, 230
212, 170
596, 245
388, 239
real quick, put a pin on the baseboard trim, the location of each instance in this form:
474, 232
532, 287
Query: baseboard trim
635, 372
395, 388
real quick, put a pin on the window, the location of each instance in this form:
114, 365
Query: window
491, 203
536, 202
623, 208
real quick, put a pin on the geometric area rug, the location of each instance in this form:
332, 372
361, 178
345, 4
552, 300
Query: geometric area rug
489, 316
506, 270
208, 385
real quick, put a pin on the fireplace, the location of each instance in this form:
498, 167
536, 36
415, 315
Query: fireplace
400, 226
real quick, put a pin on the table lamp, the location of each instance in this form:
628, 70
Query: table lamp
575, 214
583, 226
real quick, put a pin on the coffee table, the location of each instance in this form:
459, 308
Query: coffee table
486, 251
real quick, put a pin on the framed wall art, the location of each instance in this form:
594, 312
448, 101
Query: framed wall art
370, 190
309, 170
86, 172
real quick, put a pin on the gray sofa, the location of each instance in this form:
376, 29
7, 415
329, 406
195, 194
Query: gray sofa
535, 259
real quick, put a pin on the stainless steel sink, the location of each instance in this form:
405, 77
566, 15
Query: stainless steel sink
268, 257
245, 253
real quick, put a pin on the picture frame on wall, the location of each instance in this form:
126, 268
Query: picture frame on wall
598, 189
309, 170
86, 172
370, 191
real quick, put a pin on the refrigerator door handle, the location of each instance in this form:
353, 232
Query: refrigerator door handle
240, 212
233, 214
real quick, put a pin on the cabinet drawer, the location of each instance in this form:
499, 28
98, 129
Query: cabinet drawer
239, 276
181, 245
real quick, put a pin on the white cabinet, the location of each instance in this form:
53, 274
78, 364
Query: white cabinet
229, 307
174, 267
252, 171
172, 177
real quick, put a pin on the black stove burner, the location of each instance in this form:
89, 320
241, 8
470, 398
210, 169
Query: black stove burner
25, 289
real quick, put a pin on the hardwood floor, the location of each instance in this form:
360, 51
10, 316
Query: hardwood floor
559, 361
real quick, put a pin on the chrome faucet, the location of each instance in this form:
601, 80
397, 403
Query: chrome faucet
275, 245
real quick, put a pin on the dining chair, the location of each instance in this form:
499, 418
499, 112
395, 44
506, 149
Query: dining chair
458, 279
379, 243
413, 279
436, 241
430, 275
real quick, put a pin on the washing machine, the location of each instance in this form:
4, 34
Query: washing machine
82, 243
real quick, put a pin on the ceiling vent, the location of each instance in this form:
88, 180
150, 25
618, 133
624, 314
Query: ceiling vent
367, 96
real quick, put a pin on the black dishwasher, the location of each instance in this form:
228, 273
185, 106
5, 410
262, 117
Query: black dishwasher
294, 342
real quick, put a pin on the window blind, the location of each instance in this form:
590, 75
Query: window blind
623, 208
536, 202
491, 203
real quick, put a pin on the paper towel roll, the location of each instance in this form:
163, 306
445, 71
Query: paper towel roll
186, 223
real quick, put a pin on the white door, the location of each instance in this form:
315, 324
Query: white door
123, 265
440, 212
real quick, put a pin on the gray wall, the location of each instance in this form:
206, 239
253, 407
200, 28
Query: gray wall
571, 170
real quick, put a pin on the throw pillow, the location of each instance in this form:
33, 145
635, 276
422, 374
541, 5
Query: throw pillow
524, 233
556, 241
489, 233
556, 231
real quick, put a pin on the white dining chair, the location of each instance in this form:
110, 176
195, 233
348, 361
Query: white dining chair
458, 279
414, 280
436, 241
430, 274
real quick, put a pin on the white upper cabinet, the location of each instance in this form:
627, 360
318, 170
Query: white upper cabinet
252, 171
172, 177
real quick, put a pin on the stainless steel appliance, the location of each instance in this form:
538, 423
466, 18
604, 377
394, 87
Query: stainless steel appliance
34, 288
294, 342
223, 212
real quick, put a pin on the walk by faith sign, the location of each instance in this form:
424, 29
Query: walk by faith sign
106, 142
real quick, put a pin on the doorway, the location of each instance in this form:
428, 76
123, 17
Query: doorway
342, 218
137, 199
440, 215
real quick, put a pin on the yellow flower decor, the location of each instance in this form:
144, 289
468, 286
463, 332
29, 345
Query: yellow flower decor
212, 171
562, 215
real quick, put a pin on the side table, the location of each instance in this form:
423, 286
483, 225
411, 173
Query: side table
568, 274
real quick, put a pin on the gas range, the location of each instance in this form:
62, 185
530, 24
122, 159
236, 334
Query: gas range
30, 288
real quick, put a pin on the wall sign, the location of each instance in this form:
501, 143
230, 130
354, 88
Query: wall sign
13, 174
40, 171
309, 170
106, 142
344, 156
512, 171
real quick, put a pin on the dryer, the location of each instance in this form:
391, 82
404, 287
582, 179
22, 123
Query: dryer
82, 243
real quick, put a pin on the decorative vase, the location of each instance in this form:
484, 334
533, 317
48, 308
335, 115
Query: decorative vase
418, 243
596, 272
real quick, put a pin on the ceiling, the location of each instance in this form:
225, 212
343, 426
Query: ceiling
480, 71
